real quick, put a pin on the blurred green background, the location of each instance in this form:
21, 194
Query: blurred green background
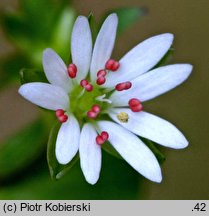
23, 166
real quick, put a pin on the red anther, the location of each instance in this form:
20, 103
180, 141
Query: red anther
72, 70
109, 64
120, 86
63, 118
99, 140
137, 108
84, 83
101, 80
128, 85
115, 66
134, 102
59, 112
101, 73
104, 135
88, 87
112, 65
91, 114
96, 108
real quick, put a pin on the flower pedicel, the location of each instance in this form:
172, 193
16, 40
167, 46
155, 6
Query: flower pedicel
94, 86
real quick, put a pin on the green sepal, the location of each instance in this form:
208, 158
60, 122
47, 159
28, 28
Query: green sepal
128, 16
61, 36
93, 26
166, 58
110, 150
20, 150
153, 147
57, 170
32, 75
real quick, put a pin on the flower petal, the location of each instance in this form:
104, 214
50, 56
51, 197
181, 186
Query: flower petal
140, 59
153, 83
45, 95
133, 150
151, 127
90, 154
81, 46
67, 143
104, 44
55, 69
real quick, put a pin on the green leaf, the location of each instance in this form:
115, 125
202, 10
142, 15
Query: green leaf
32, 75
57, 170
93, 26
166, 58
10, 67
153, 147
20, 150
117, 181
128, 16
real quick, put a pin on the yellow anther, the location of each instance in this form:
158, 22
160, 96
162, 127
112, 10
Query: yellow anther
123, 117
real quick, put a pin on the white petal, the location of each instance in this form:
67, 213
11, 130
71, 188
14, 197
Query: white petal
153, 83
45, 95
133, 150
151, 127
90, 154
104, 44
140, 59
55, 69
67, 143
81, 46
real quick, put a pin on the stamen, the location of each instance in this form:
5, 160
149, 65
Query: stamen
59, 112
123, 117
101, 80
91, 114
123, 86
84, 83
103, 99
101, 73
135, 105
89, 87
112, 65
61, 116
96, 108
100, 139
94, 111
72, 70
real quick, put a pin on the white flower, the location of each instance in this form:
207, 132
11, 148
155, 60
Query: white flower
82, 101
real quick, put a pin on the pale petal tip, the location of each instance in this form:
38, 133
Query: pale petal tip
61, 158
113, 17
91, 181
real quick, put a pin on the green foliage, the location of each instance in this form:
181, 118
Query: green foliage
57, 170
20, 150
117, 181
32, 75
128, 16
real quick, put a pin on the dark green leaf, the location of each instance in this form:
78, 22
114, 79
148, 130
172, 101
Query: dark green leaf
57, 170
32, 75
110, 150
153, 147
117, 181
22, 149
